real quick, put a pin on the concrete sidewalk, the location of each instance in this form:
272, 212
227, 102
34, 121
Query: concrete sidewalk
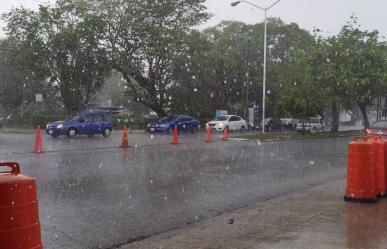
315, 218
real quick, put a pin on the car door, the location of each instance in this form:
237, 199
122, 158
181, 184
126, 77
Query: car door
86, 124
189, 122
238, 123
179, 123
183, 123
233, 123
97, 124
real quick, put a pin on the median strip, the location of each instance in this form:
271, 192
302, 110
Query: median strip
271, 137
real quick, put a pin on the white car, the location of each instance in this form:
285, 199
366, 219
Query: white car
313, 124
233, 122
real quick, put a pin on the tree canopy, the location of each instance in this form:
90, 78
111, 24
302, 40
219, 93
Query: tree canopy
68, 50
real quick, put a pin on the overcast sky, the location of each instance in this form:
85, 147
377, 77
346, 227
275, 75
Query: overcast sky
328, 15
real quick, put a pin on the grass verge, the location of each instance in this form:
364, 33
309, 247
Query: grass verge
298, 136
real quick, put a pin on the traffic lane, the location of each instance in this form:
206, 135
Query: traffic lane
16, 143
96, 199
24, 143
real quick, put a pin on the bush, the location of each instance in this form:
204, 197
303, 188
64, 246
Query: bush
130, 122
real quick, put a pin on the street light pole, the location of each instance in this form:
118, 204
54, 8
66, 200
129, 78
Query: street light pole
264, 55
264, 76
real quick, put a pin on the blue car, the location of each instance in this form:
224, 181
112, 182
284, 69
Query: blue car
167, 124
87, 123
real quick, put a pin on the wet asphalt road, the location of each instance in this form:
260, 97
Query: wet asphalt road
95, 195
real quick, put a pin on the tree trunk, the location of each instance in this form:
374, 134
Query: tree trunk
335, 118
159, 111
363, 110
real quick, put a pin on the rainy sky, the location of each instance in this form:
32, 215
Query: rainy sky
328, 15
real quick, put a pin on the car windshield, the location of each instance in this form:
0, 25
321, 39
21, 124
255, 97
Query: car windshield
379, 124
75, 118
169, 119
221, 118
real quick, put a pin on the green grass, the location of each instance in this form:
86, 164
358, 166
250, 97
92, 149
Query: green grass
299, 135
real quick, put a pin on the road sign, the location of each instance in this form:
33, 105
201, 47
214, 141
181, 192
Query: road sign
251, 116
39, 97
220, 112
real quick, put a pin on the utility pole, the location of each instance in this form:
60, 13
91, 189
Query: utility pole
264, 54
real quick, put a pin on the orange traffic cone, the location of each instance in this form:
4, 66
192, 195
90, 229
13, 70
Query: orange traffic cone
125, 138
175, 136
209, 134
38, 143
225, 133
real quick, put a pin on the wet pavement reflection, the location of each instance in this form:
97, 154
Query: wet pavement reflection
95, 195
366, 225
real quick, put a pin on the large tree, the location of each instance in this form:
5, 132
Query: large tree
225, 72
22, 73
68, 37
301, 94
362, 67
143, 38
350, 67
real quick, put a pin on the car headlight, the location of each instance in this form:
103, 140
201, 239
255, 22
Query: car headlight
46, 126
149, 125
59, 126
221, 124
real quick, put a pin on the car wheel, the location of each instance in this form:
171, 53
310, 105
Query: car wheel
71, 133
107, 132
243, 129
195, 129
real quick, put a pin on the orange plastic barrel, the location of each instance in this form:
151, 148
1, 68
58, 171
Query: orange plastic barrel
19, 216
361, 171
385, 163
380, 179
